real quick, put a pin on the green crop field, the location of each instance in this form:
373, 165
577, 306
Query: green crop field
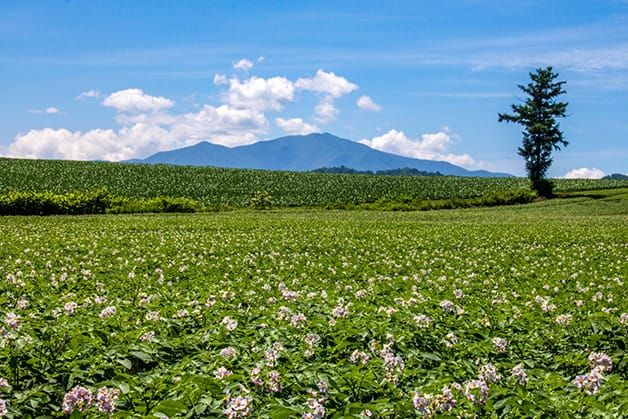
236, 187
514, 311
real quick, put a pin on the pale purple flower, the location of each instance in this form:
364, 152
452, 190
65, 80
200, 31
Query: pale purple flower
3, 408
589, 383
447, 306
106, 399
107, 312
600, 361
230, 324
12, 320
270, 356
422, 403
221, 373
340, 311
256, 376
476, 391
69, 308
563, 320
229, 352
312, 339
238, 407
358, 356
519, 373
274, 381
298, 320
422, 321
500, 344
488, 373
79, 398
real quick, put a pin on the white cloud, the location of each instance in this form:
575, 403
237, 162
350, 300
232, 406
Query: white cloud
259, 93
260, 59
49, 110
429, 147
147, 123
243, 64
220, 79
327, 83
331, 87
136, 101
142, 135
325, 111
296, 126
584, 173
366, 103
88, 94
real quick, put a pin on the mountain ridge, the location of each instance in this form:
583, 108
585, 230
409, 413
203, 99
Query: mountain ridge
303, 153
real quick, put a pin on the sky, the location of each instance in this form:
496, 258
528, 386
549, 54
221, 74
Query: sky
114, 80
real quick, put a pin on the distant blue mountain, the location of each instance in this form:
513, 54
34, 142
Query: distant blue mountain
303, 153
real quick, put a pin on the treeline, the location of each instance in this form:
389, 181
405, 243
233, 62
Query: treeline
88, 202
406, 171
101, 202
616, 176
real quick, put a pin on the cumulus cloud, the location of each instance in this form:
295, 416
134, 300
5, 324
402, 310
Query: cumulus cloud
327, 83
429, 146
325, 111
147, 124
136, 101
142, 135
243, 64
296, 126
584, 173
259, 93
331, 87
366, 103
89, 94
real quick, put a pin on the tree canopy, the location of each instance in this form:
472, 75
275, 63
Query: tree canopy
541, 131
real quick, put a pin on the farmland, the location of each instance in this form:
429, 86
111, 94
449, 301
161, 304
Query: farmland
511, 311
236, 187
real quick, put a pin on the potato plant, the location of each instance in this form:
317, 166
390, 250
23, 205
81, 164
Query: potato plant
497, 312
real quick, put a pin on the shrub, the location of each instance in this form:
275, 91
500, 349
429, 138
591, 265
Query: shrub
46, 203
262, 200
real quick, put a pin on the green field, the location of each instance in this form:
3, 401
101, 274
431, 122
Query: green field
236, 187
304, 312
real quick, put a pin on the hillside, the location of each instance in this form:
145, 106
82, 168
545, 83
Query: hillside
304, 153
215, 186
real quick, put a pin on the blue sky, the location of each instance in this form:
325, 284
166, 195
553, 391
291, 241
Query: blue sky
116, 80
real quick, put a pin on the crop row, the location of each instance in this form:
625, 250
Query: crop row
236, 187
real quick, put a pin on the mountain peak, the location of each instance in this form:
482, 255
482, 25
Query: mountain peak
303, 153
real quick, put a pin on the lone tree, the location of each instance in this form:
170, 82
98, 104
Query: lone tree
541, 132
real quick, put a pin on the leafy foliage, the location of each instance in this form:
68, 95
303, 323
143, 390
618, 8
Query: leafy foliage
188, 315
541, 133
217, 188
262, 200
88, 202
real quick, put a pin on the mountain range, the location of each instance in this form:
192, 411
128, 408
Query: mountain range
303, 153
